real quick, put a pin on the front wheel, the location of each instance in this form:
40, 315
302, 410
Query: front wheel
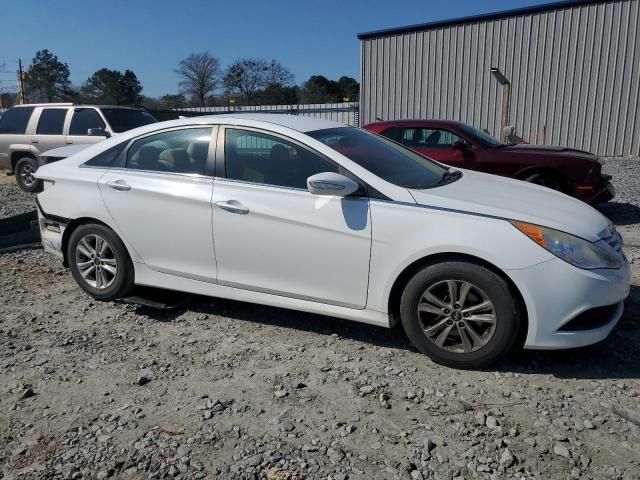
460, 314
99, 262
545, 180
25, 170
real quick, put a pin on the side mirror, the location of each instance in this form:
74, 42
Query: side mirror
98, 132
329, 183
461, 145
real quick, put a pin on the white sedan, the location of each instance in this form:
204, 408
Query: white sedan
317, 216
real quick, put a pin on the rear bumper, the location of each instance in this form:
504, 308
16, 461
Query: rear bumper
559, 298
51, 231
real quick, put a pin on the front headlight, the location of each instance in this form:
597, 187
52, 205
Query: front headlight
574, 250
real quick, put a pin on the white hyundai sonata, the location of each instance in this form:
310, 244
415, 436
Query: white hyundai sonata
317, 216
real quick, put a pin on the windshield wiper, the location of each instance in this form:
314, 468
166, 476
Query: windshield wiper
450, 176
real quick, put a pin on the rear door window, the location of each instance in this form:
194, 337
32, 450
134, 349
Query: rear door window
51, 121
174, 151
83, 120
15, 121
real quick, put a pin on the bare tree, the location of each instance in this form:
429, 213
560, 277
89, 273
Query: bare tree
249, 76
199, 75
279, 75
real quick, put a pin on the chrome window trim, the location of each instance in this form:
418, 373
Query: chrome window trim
259, 184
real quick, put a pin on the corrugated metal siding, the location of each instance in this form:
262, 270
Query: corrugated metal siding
574, 73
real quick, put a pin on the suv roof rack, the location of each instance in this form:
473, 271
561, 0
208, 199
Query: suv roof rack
61, 104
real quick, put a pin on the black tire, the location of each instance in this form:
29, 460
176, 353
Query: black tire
113, 286
25, 168
546, 180
505, 308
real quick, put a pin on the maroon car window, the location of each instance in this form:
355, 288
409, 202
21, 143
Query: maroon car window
419, 137
384, 158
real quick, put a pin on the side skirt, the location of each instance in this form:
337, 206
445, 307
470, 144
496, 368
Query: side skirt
148, 277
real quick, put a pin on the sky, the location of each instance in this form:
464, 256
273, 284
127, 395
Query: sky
151, 37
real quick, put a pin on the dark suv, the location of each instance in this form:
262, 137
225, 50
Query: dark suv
26, 131
574, 172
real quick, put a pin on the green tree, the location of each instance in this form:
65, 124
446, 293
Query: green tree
174, 101
113, 87
348, 89
47, 78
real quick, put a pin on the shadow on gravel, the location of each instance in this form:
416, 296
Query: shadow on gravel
617, 357
621, 213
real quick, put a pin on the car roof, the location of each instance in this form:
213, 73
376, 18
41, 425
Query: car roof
413, 121
75, 105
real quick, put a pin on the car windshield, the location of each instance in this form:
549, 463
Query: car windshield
123, 119
481, 136
382, 157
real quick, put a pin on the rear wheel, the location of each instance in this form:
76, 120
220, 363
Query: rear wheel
546, 180
460, 314
99, 262
25, 170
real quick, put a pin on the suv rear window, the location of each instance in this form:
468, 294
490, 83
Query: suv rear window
51, 121
123, 119
15, 120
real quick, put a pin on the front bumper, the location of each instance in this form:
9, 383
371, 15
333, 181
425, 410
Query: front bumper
555, 293
598, 194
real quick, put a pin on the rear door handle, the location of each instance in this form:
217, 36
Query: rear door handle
34, 140
233, 206
119, 185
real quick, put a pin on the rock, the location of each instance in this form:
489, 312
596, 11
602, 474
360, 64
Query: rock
367, 389
335, 454
492, 422
27, 393
481, 418
507, 459
561, 450
254, 460
281, 474
280, 392
142, 380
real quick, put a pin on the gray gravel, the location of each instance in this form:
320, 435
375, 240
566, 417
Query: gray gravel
13, 201
222, 389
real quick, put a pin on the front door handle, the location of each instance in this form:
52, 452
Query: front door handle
119, 185
233, 206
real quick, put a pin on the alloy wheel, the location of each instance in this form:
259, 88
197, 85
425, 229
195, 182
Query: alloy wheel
26, 174
96, 261
457, 316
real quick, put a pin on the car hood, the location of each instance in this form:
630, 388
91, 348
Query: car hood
549, 150
64, 152
491, 195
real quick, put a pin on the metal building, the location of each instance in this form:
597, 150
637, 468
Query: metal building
565, 73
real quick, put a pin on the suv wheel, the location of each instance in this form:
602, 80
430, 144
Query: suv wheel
25, 169
460, 314
99, 262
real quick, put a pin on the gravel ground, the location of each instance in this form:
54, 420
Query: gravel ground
232, 390
13, 200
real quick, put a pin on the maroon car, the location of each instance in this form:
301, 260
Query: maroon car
571, 171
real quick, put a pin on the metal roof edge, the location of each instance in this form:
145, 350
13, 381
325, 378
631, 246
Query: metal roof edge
545, 7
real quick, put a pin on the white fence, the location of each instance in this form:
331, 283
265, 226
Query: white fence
346, 112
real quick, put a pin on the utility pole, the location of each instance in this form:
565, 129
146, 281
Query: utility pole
21, 94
